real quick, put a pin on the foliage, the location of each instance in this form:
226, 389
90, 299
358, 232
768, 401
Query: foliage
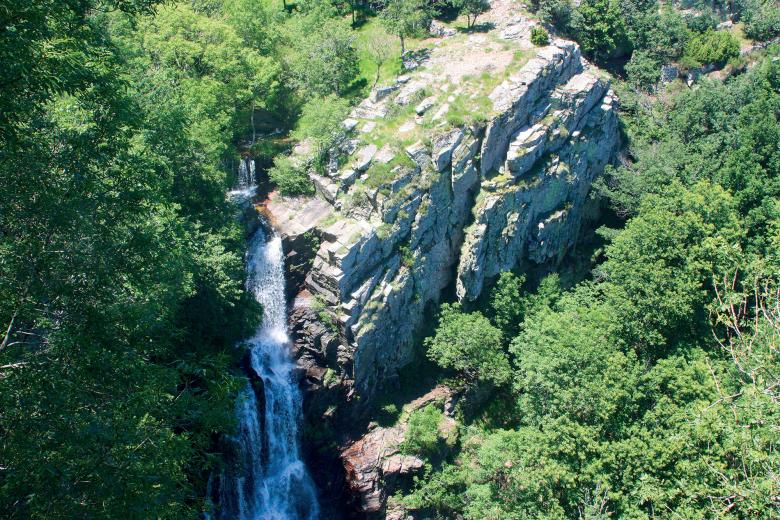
122, 290
599, 27
289, 177
716, 47
323, 56
701, 22
762, 20
406, 18
422, 434
726, 133
507, 306
643, 70
318, 127
653, 386
472, 9
556, 12
660, 34
470, 345
202, 62
539, 36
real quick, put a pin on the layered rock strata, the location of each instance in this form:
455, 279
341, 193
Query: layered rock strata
479, 160
460, 202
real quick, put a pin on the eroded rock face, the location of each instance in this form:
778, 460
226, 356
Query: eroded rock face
419, 198
375, 465
418, 204
533, 211
523, 178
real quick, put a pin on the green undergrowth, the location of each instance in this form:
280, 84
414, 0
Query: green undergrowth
381, 174
372, 38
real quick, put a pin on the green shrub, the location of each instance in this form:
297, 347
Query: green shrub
289, 178
319, 306
716, 47
470, 345
539, 36
763, 23
556, 12
407, 256
330, 379
388, 414
643, 70
701, 22
422, 434
320, 125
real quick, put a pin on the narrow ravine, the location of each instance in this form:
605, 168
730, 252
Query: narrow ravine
268, 480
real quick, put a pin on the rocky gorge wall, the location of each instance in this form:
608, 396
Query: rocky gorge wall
479, 160
461, 203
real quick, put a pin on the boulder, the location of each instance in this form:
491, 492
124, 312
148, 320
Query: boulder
443, 147
364, 157
424, 105
440, 30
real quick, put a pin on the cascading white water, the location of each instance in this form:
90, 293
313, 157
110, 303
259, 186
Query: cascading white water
246, 174
269, 480
246, 180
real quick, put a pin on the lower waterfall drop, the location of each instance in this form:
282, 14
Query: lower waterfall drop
269, 480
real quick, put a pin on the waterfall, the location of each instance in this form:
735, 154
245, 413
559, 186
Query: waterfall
246, 174
246, 180
268, 481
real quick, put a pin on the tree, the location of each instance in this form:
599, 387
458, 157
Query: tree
319, 126
320, 122
507, 306
323, 58
660, 266
653, 386
712, 47
405, 18
290, 178
378, 47
470, 345
472, 8
122, 291
762, 20
557, 13
643, 71
599, 28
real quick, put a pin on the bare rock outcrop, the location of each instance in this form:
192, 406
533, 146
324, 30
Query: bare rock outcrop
479, 160
375, 464
446, 177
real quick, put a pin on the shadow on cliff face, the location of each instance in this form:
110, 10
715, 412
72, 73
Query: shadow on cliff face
335, 417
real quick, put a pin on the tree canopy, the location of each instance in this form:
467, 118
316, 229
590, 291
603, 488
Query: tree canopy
652, 385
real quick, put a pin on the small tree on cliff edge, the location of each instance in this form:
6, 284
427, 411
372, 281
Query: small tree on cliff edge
472, 9
405, 18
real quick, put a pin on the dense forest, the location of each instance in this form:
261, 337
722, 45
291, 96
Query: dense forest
649, 389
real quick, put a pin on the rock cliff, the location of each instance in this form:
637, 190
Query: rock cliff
478, 161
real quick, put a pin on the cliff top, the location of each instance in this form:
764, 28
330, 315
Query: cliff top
455, 79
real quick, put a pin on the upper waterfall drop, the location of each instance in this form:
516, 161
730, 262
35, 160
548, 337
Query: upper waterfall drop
246, 180
269, 480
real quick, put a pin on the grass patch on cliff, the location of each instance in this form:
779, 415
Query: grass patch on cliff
389, 129
379, 175
473, 104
